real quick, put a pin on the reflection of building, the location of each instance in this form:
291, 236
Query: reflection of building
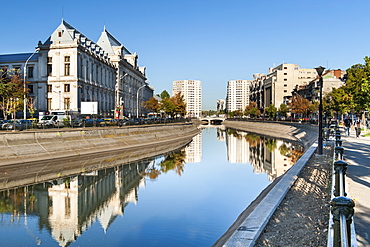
194, 150
192, 92
237, 148
76, 204
266, 155
221, 105
237, 95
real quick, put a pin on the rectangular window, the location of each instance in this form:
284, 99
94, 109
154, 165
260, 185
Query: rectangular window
67, 88
30, 88
30, 72
67, 69
285, 85
50, 88
49, 66
67, 65
67, 103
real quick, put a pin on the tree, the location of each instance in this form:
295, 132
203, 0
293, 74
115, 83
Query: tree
179, 104
283, 109
164, 95
152, 105
167, 106
358, 86
299, 104
11, 92
271, 111
252, 109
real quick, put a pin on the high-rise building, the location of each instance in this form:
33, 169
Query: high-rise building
281, 81
237, 95
192, 92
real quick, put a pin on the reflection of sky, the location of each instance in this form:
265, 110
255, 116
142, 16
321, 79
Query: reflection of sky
23, 232
196, 208
192, 210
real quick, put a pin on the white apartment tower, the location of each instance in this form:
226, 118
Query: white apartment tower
237, 95
192, 92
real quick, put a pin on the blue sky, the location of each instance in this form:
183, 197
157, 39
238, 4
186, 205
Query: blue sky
209, 40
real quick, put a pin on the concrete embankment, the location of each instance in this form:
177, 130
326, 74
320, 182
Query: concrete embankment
251, 222
305, 134
27, 146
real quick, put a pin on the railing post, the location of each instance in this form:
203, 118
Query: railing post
339, 151
338, 142
340, 168
342, 211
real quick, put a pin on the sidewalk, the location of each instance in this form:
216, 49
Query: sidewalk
357, 155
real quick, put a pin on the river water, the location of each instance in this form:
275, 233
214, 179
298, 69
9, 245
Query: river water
187, 197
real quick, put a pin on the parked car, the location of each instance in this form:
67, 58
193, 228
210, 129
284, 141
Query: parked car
19, 124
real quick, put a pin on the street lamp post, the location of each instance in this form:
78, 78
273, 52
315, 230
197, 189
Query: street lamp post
24, 85
137, 101
319, 71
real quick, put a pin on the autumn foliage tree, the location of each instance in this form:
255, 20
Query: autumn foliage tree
11, 92
252, 109
299, 105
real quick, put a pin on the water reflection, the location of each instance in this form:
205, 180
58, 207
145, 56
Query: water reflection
66, 207
266, 155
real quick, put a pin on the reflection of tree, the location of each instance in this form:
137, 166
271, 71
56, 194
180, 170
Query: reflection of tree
296, 154
284, 150
173, 161
13, 201
233, 133
253, 140
271, 145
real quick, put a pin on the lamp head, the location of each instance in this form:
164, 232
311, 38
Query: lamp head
320, 70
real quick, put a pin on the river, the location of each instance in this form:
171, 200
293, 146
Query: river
188, 197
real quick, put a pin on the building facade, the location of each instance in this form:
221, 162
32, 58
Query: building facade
69, 68
192, 92
237, 97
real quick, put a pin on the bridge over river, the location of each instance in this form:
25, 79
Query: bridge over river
212, 120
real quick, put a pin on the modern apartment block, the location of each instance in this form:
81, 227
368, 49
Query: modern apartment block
192, 92
69, 68
237, 95
277, 86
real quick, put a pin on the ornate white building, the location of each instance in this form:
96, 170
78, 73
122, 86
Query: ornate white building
69, 68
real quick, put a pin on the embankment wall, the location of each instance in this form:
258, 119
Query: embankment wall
26, 146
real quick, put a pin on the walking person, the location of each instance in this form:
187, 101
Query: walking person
358, 127
347, 124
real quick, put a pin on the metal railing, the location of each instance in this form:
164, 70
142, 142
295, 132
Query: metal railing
341, 229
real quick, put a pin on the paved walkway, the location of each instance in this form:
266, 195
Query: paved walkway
357, 155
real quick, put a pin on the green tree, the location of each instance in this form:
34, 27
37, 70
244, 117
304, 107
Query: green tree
164, 95
283, 109
358, 86
167, 106
271, 111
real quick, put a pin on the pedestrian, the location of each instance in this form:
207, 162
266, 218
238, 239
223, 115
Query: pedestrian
358, 127
347, 124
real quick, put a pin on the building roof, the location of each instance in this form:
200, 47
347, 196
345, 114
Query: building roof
18, 57
107, 41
